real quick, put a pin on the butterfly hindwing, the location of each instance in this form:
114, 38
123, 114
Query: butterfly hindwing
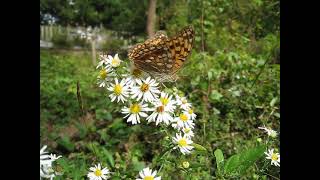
181, 46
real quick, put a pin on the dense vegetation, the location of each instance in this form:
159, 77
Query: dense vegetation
232, 79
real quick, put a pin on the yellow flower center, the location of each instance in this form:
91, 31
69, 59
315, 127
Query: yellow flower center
190, 111
274, 157
183, 117
136, 73
184, 101
164, 100
103, 74
117, 89
160, 109
148, 178
98, 172
135, 108
144, 87
187, 130
115, 62
182, 142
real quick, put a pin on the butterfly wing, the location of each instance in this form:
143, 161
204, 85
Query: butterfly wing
180, 46
161, 55
153, 55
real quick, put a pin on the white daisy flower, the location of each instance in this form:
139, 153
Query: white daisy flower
191, 113
270, 132
182, 121
188, 132
114, 61
145, 89
120, 91
46, 162
134, 111
44, 157
47, 172
54, 157
105, 75
183, 143
183, 102
97, 173
135, 74
167, 101
147, 174
274, 157
160, 114
103, 60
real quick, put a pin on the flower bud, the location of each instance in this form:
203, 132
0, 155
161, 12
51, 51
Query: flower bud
185, 164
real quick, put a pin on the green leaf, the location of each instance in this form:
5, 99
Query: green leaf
273, 101
219, 159
209, 75
198, 147
239, 163
216, 111
66, 143
103, 114
109, 158
215, 95
136, 164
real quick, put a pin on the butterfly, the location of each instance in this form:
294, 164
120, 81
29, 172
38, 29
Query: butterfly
161, 56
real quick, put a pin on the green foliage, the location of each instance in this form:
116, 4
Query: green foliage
237, 164
60, 40
219, 160
77, 41
232, 79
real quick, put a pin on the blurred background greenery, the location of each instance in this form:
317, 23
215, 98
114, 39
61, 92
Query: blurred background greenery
232, 79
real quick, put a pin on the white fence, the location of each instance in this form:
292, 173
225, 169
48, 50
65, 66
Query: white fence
48, 32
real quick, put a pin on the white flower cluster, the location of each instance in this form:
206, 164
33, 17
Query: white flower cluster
86, 34
145, 100
99, 173
46, 161
270, 154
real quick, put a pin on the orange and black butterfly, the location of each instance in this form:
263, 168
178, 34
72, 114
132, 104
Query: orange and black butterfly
162, 56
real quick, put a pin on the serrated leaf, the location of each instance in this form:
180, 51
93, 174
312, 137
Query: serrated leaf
219, 159
237, 164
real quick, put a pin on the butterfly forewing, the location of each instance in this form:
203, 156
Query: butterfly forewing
162, 56
150, 56
181, 46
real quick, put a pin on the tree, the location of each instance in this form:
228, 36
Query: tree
151, 17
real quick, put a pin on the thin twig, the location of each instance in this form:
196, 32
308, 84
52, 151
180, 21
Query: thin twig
202, 40
79, 98
82, 111
261, 69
